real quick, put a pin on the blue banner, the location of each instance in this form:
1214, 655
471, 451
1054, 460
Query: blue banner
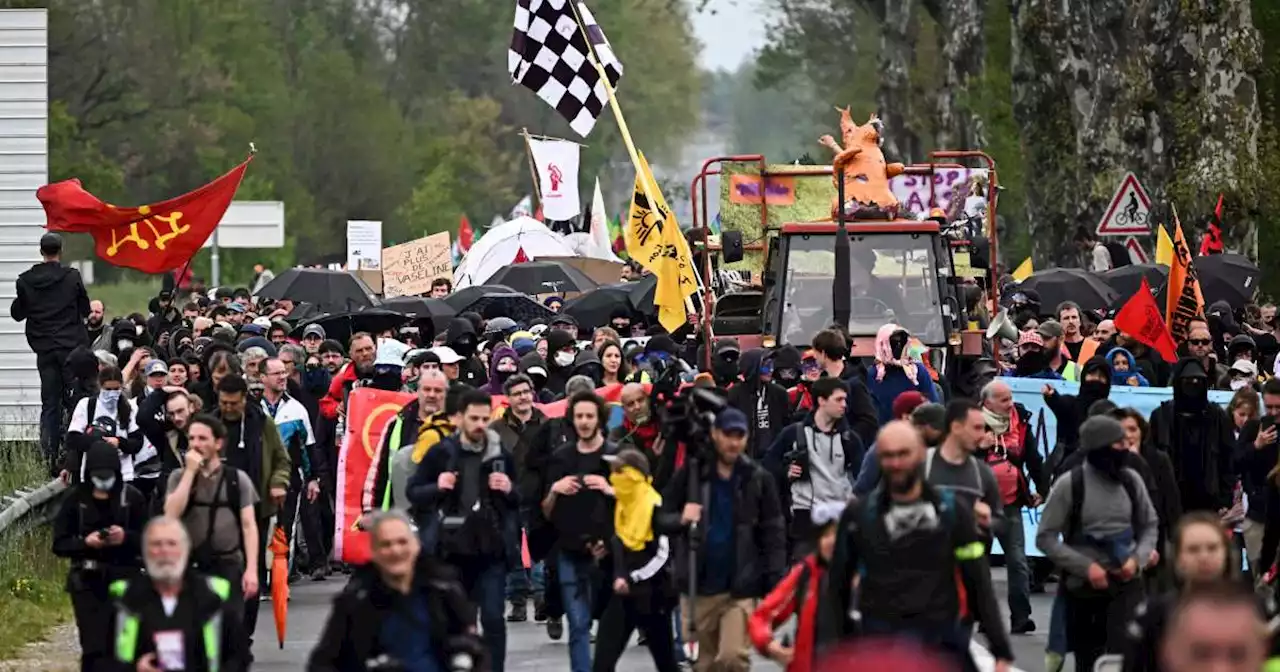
1027, 391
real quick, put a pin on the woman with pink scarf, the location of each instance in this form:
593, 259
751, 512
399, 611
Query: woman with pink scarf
896, 371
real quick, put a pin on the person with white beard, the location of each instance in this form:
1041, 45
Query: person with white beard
174, 619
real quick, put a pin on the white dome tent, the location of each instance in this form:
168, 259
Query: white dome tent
523, 238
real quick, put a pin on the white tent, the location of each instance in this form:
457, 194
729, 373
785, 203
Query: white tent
502, 245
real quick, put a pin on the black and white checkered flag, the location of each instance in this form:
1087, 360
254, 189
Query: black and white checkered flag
549, 55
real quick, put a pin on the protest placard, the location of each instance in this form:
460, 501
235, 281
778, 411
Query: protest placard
409, 268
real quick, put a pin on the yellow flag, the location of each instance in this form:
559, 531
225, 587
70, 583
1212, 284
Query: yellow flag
654, 240
1164, 247
1024, 270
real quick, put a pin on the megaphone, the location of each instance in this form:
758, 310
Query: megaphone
1003, 327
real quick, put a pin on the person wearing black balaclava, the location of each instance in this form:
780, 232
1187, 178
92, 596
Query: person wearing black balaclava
562, 352
1072, 410
99, 529
462, 338
1199, 439
787, 372
764, 402
724, 362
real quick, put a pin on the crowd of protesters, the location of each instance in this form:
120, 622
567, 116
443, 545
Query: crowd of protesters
857, 500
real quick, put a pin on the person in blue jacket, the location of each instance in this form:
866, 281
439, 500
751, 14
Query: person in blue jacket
895, 371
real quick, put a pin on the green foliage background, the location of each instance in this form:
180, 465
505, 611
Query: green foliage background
395, 111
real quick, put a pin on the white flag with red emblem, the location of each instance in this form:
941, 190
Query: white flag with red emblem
557, 164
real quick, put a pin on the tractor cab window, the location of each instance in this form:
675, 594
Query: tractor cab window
894, 278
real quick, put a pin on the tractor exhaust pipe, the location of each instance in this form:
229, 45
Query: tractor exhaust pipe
840, 289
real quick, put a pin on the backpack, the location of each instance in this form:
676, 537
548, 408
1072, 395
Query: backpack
204, 555
476, 533
852, 447
977, 474
1074, 523
947, 514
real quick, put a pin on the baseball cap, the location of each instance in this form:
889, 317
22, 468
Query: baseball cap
629, 457
1030, 338
253, 328
727, 345
933, 416
263, 321
165, 295
157, 367
731, 419
1244, 366
314, 330
447, 355
562, 318
235, 307
1050, 329
390, 353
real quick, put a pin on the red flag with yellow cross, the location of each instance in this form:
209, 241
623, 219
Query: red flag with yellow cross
152, 238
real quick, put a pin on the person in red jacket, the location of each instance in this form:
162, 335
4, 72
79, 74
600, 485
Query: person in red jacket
797, 595
362, 352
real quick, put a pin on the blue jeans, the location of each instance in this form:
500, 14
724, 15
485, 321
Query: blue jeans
576, 587
484, 583
1013, 542
523, 582
1058, 626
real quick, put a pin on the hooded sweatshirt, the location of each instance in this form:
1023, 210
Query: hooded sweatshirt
1126, 378
1071, 410
1199, 439
462, 338
557, 375
496, 378
533, 365
81, 514
765, 404
891, 377
52, 299
587, 363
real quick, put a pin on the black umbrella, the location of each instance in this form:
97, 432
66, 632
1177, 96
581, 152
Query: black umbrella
463, 298
594, 308
641, 295
1227, 277
1127, 279
543, 277
1056, 285
421, 309
301, 312
330, 291
340, 326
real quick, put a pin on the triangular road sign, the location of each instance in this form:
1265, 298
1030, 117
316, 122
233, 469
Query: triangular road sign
1137, 254
1129, 212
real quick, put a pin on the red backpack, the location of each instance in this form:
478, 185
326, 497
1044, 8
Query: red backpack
1009, 446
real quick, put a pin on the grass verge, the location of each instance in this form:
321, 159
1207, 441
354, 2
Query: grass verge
122, 298
32, 599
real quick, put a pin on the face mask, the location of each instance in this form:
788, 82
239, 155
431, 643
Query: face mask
139, 329
123, 344
507, 366
1094, 389
564, 358
1192, 388
1106, 460
897, 344
109, 397
1239, 384
1032, 362
103, 484
786, 376
465, 347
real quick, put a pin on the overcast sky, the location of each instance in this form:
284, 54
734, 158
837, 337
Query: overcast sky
731, 33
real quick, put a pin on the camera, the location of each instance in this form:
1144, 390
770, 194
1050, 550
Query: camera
798, 456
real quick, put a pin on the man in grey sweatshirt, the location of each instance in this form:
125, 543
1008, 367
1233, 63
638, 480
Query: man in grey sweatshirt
1100, 542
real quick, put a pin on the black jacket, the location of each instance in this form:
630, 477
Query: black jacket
52, 300
759, 533
163, 321
745, 395
1253, 465
80, 515
1200, 441
533, 484
860, 408
1072, 410
651, 586
352, 634
558, 376
517, 437
470, 370
161, 433
198, 606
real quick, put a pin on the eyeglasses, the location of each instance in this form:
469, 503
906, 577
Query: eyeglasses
1199, 341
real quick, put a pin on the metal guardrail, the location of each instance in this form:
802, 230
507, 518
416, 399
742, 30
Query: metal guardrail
35, 505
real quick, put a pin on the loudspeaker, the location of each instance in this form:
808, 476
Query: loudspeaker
1003, 327
731, 246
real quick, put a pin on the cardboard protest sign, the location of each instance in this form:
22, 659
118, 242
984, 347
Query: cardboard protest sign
408, 269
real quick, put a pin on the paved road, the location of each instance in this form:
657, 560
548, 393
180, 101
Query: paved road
529, 649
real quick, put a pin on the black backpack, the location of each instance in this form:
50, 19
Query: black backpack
1074, 524
476, 533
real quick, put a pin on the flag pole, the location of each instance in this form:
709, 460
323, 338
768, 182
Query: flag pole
626, 139
533, 168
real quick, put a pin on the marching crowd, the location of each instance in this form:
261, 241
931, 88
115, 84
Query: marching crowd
839, 508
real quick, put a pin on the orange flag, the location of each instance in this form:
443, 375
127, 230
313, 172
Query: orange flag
1140, 318
1185, 301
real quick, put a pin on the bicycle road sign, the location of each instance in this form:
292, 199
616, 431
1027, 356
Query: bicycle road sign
1129, 212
